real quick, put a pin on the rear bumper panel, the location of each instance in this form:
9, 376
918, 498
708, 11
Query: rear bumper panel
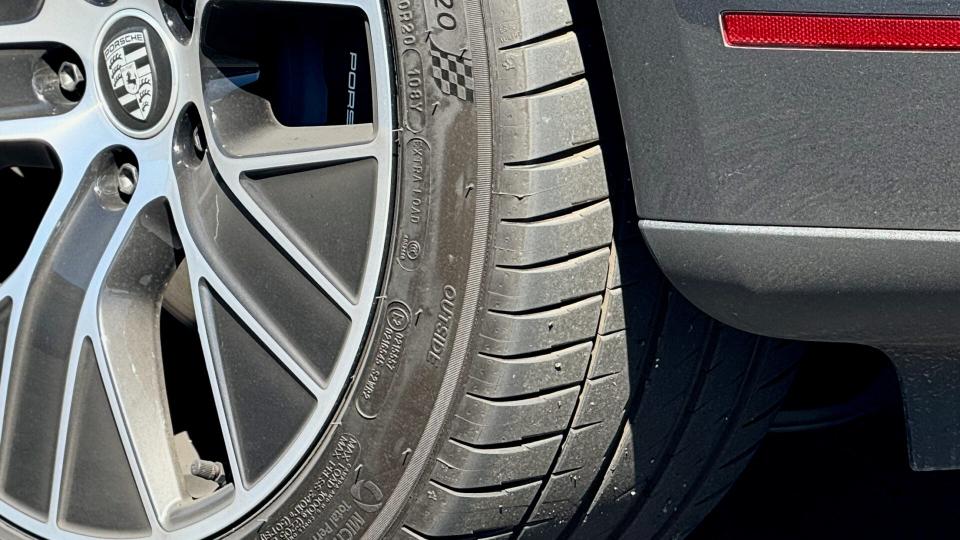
811, 194
784, 137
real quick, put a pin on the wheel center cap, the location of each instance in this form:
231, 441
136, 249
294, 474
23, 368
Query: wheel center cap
135, 75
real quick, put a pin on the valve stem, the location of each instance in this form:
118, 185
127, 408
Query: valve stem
208, 470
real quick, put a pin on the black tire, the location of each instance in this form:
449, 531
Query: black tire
530, 374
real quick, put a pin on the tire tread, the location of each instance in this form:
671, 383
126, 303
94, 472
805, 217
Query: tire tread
584, 346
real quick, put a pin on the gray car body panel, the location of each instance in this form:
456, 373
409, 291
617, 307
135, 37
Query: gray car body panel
806, 194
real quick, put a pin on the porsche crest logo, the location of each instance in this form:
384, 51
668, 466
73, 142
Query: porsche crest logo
131, 73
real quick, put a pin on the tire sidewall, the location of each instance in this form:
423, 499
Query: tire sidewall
373, 456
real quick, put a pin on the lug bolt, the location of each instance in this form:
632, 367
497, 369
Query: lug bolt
187, 7
127, 178
199, 145
208, 470
70, 76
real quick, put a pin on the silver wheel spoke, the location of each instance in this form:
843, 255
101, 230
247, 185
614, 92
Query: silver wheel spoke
76, 139
345, 143
202, 275
51, 292
75, 131
208, 290
55, 130
126, 307
86, 382
75, 143
213, 304
74, 161
251, 268
49, 26
258, 144
235, 175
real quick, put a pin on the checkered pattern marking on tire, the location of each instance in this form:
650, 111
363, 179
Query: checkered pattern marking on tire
453, 73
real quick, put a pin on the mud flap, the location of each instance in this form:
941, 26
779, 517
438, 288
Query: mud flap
930, 384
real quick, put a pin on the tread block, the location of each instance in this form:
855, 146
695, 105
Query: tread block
706, 434
499, 378
442, 511
531, 243
603, 400
612, 355
503, 334
629, 307
541, 64
531, 191
614, 319
549, 529
585, 446
541, 125
558, 501
617, 493
483, 422
582, 459
632, 264
595, 426
516, 289
464, 467
519, 21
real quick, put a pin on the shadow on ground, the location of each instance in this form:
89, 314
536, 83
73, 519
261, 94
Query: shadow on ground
847, 482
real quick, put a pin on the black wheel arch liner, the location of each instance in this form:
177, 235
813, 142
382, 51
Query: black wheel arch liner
803, 194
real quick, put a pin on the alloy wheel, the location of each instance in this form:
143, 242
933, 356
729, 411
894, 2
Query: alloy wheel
202, 194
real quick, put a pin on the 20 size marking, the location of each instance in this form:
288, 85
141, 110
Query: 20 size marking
445, 19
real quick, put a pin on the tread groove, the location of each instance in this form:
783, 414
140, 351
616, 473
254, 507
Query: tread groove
763, 415
677, 431
506, 445
538, 352
749, 450
781, 376
546, 162
513, 484
550, 307
581, 147
743, 397
526, 397
572, 209
566, 81
537, 39
549, 262
634, 403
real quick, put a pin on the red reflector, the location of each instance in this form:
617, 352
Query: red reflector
841, 32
